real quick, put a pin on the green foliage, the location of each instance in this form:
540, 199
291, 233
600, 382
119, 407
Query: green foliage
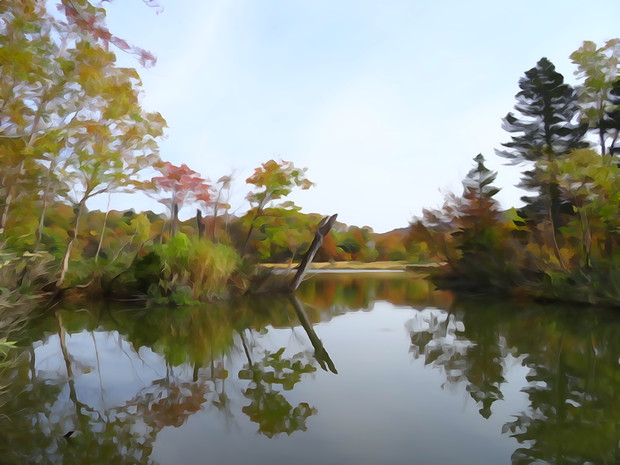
563, 244
273, 181
486, 251
268, 407
187, 270
72, 125
281, 234
598, 68
354, 243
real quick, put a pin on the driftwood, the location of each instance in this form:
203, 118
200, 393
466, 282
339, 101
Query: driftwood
323, 229
320, 354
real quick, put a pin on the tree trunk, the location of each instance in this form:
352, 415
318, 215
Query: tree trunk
323, 229
586, 237
174, 220
552, 203
200, 224
74, 234
248, 237
105, 221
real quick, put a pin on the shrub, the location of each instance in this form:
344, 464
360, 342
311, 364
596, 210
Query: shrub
187, 270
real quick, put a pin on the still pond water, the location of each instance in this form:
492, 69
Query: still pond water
358, 369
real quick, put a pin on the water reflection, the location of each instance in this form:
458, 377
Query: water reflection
572, 383
345, 292
469, 352
100, 385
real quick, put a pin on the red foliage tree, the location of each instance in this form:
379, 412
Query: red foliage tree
180, 185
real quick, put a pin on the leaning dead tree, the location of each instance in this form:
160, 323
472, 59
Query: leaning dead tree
322, 230
268, 282
320, 353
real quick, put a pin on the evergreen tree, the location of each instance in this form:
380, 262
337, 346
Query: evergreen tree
545, 129
478, 219
548, 109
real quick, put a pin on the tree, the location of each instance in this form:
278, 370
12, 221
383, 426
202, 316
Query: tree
546, 129
591, 184
546, 125
48, 95
436, 228
31, 82
477, 210
113, 141
479, 234
273, 181
468, 233
478, 193
224, 185
71, 125
598, 67
180, 185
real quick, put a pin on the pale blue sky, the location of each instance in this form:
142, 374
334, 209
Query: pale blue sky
386, 103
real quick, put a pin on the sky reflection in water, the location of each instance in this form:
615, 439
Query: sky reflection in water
420, 379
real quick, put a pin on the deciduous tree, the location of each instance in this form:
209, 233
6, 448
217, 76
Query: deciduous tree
598, 67
180, 185
71, 125
273, 181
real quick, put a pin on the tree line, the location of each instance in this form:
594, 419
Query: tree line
72, 128
563, 243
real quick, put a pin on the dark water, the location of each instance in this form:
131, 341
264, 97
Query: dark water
359, 369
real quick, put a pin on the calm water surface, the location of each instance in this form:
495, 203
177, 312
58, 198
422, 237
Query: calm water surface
358, 369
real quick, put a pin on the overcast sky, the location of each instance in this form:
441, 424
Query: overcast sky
385, 102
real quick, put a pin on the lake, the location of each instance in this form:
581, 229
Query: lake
357, 368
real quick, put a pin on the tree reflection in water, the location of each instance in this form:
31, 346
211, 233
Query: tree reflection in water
118, 377
443, 340
65, 407
268, 407
573, 383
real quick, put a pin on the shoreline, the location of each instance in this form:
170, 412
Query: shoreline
357, 266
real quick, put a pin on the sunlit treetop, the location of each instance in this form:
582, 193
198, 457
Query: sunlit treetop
276, 180
181, 183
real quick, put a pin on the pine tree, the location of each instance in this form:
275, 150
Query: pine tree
546, 125
545, 129
478, 219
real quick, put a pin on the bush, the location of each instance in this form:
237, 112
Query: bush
187, 270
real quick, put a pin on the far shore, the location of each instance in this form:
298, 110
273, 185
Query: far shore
353, 265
